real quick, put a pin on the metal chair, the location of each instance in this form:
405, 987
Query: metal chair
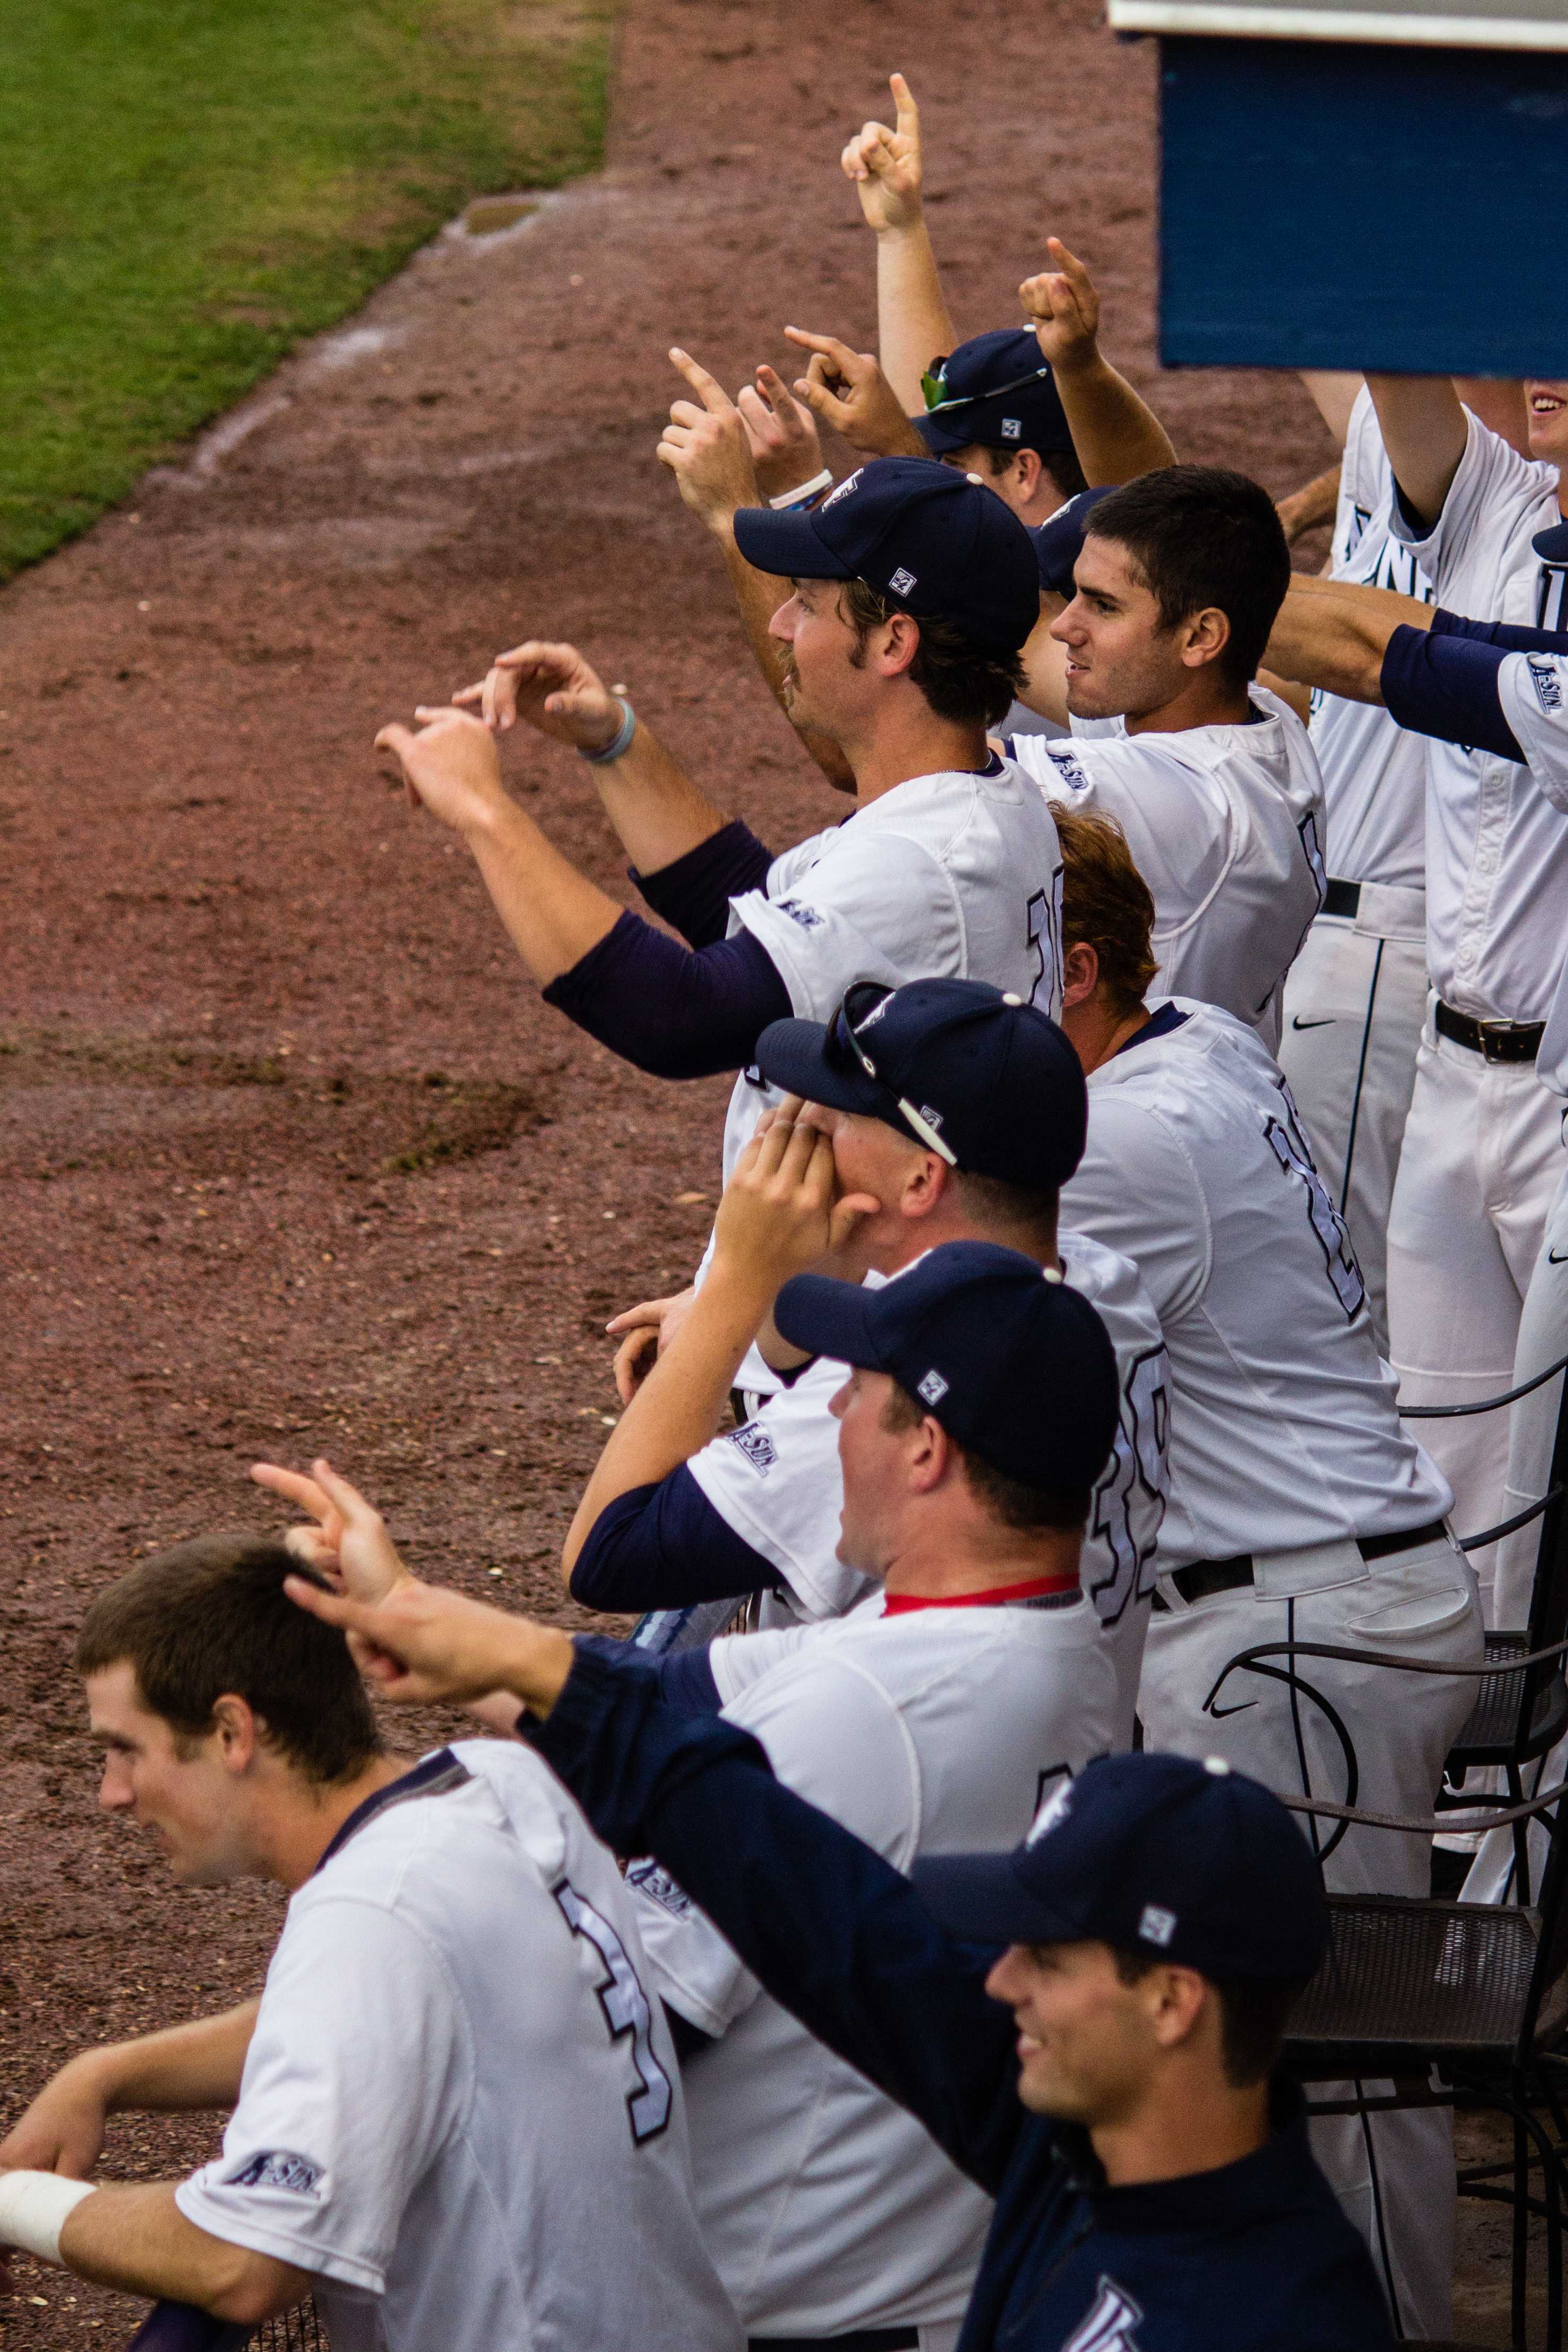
1521, 1708
1476, 1992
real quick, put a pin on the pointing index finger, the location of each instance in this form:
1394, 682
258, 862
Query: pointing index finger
907, 113
708, 389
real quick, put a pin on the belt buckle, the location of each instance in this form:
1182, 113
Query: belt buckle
1494, 1041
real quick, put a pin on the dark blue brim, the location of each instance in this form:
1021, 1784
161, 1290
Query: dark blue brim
787, 544
789, 1055
829, 1318
981, 1897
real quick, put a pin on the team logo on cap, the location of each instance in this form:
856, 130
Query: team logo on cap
1156, 1925
1052, 1814
902, 581
933, 1387
850, 482
1012, 428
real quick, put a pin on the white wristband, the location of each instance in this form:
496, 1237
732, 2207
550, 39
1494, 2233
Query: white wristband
802, 491
33, 2210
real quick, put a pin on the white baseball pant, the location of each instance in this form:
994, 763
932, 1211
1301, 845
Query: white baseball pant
1532, 1431
1355, 1000
1394, 2173
1481, 1159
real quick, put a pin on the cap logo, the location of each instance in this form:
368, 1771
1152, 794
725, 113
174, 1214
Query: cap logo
1012, 428
850, 482
933, 1387
902, 581
1052, 1814
932, 1117
1156, 1927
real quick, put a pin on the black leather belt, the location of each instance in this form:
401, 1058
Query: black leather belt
862, 2339
1499, 1041
1341, 898
1206, 1577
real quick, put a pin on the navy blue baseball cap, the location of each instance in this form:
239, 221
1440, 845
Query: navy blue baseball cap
982, 1079
995, 391
1013, 1362
1058, 543
940, 545
1184, 1861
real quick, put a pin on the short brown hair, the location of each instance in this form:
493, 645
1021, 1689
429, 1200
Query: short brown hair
210, 1617
1253, 2015
1106, 905
1027, 1510
967, 684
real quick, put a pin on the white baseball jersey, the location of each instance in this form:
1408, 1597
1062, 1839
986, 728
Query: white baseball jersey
1374, 773
948, 876
1283, 1428
826, 2207
778, 1484
460, 2108
1497, 851
1225, 826
1533, 691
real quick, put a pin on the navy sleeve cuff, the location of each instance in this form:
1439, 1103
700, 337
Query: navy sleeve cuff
683, 1678
663, 1546
692, 893
673, 1011
1512, 638
1444, 684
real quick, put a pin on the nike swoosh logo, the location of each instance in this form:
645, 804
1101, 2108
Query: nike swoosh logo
1298, 1022
1217, 1711
1557, 1257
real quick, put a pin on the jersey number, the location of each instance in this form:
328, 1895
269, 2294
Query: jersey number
626, 2012
1291, 1149
1043, 918
1136, 1470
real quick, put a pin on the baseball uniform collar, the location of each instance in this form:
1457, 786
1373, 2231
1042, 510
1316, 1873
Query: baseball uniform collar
996, 1596
433, 1776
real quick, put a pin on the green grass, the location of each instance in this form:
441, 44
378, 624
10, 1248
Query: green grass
191, 185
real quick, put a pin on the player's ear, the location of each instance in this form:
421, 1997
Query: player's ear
235, 1728
1205, 635
1080, 974
902, 644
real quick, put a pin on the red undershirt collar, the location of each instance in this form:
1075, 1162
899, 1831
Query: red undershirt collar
900, 1604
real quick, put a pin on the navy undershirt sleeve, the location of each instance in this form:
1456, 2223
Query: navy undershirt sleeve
692, 894
675, 1012
663, 1546
1508, 634
828, 1928
1447, 686
685, 1678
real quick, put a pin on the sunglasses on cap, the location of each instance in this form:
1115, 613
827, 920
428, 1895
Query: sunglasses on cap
934, 389
842, 1049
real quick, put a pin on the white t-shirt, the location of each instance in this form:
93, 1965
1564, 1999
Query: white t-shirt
1283, 1427
826, 2207
949, 876
1225, 826
1375, 774
1497, 850
778, 1484
460, 2108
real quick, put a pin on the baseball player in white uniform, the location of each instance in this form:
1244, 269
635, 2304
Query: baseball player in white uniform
1355, 999
1299, 1508
1172, 582
456, 2112
974, 1426
1483, 1154
960, 1114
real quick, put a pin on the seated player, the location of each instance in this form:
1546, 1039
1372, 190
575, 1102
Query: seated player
1171, 585
972, 1434
676, 1515
1106, 2077
1300, 1509
456, 2115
